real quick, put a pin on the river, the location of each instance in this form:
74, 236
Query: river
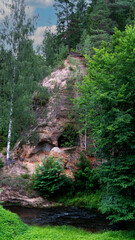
88, 219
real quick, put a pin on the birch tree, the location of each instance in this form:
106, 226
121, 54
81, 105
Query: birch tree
15, 32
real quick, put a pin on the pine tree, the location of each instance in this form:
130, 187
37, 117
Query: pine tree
65, 9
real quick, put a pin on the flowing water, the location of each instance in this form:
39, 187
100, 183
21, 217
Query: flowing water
88, 219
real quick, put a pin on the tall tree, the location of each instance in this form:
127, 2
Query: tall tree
108, 92
15, 37
78, 22
64, 9
102, 17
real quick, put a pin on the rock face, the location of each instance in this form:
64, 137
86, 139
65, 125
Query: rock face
7, 195
52, 119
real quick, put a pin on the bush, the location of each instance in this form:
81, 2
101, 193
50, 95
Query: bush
3, 142
42, 96
118, 189
1, 163
21, 183
86, 178
92, 200
69, 137
49, 178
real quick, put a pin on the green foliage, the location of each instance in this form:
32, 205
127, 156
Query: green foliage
49, 178
53, 52
22, 183
1, 163
62, 54
34, 137
10, 225
101, 18
3, 142
118, 198
82, 199
17, 54
69, 136
107, 101
86, 178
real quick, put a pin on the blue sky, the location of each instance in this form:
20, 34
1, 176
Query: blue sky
47, 16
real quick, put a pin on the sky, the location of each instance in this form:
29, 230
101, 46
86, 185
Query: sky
46, 16
46, 12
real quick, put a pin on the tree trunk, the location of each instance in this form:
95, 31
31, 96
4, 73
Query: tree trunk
67, 32
8, 161
86, 135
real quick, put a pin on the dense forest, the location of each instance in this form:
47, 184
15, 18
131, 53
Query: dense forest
103, 31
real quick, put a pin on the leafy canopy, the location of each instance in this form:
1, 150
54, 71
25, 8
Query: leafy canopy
107, 95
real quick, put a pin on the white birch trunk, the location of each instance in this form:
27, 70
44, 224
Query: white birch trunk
85, 139
10, 120
86, 135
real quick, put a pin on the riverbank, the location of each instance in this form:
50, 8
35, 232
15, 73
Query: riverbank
90, 201
12, 228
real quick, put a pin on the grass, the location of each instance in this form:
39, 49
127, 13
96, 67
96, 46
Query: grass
10, 225
11, 228
90, 201
71, 233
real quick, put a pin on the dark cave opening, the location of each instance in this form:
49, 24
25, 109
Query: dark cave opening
69, 137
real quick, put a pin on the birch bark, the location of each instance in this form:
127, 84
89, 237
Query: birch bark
8, 160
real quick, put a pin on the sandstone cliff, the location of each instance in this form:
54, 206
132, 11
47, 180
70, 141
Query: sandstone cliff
52, 119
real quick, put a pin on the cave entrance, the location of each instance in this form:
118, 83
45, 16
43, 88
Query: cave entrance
44, 147
69, 137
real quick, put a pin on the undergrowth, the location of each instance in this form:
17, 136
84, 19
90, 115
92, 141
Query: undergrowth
92, 200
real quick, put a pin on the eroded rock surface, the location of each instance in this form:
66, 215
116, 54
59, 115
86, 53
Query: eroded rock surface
7, 195
51, 124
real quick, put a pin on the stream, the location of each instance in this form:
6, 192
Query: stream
88, 219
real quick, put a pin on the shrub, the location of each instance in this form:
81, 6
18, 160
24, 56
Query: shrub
118, 189
86, 178
3, 142
49, 178
1, 163
92, 200
34, 137
42, 96
69, 137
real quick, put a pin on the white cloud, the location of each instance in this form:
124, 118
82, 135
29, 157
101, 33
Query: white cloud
4, 9
30, 11
31, 5
39, 33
